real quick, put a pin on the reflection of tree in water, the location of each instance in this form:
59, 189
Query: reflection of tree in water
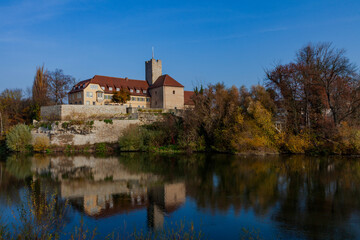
9, 187
315, 196
319, 195
19, 166
40, 198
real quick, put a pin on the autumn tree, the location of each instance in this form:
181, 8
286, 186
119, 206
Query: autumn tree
59, 85
318, 90
40, 87
121, 96
329, 70
12, 108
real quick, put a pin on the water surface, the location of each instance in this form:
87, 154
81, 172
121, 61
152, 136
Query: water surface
281, 197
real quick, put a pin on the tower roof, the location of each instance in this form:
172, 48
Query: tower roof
165, 80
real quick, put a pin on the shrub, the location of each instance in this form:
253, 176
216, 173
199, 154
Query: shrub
65, 125
132, 139
41, 144
299, 143
349, 138
108, 121
18, 138
101, 148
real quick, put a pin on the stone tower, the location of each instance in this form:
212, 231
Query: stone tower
153, 70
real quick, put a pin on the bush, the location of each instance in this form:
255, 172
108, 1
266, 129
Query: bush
101, 148
349, 139
19, 138
299, 143
108, 121
41, 144
132, 139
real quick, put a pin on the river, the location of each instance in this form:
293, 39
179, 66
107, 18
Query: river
277, 197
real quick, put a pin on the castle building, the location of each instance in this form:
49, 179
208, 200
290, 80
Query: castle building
156, 91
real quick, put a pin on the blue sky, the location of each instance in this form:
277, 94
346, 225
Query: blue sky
198, 41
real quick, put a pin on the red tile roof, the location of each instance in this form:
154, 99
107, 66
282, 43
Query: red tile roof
80, 86
188, 98
166, 80
112, 82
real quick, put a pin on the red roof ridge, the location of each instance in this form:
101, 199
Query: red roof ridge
118, 78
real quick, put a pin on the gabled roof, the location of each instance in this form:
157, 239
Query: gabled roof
166, 80
80, 86
188, 98
112, 82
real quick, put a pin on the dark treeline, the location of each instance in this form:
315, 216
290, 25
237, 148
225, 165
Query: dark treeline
311, 105
22, 106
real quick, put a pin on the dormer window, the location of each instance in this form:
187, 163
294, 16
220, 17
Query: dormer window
144, 91
110, 88
118, 89
131, 90
103, 88
137, 91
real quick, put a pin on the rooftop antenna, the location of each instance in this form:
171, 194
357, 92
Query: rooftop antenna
152, 52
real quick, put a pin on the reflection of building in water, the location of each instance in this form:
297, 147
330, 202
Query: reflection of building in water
104, 187
164, 200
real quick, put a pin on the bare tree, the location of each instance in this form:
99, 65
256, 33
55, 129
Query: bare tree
59, 85
329, 70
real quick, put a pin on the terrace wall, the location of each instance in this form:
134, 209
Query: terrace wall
71, 112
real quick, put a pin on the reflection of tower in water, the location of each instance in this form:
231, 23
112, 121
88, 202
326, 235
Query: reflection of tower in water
164, 200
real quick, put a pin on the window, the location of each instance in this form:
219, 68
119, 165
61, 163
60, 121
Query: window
79, 95
139, 99
133, 98
80, 102
92, 86
174, 92
118, 89
87, 102
131, 90
89, 94
137, 91
94, 103
103, 88
100, 95
110, 88
144, 91
75, 102
148, 99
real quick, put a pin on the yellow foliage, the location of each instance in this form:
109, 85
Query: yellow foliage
262, 117
299, 143
41, 143
349, 138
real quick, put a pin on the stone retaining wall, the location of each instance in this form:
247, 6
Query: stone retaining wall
71, 112
100, 132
